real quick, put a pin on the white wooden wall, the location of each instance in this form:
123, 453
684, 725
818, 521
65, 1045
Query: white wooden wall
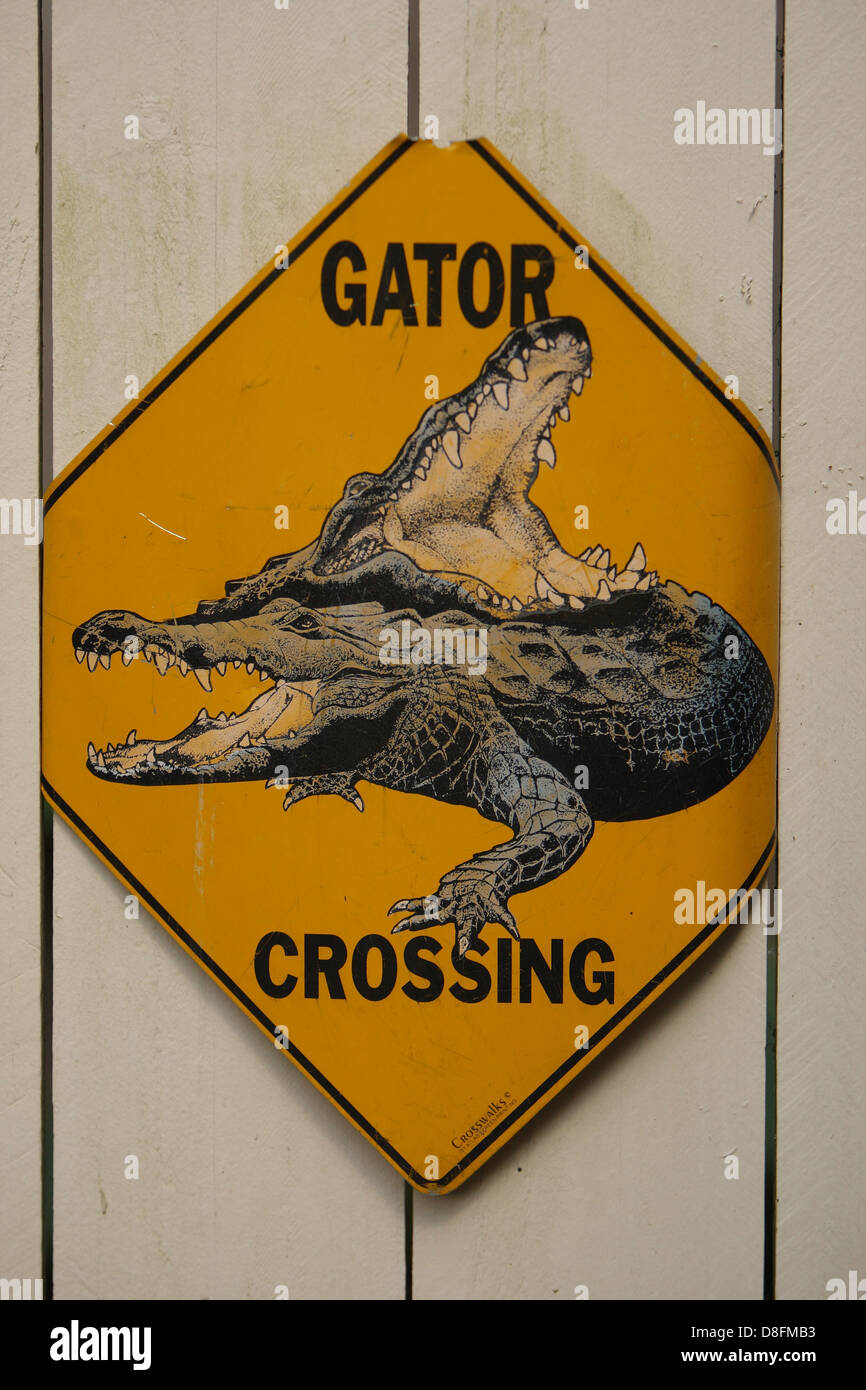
251, 119
20, 1034
822, 970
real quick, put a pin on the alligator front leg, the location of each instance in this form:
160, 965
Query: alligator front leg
551, 825
325, 784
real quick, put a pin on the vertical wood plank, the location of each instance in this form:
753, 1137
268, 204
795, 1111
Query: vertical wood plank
250, 119
620, 1185
822, 967
20, 1147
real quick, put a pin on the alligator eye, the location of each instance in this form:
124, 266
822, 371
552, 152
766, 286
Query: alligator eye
356, 485
305, 622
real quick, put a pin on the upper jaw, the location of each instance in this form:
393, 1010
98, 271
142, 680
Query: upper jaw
166, 645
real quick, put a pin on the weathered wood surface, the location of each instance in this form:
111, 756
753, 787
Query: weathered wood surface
20, 1036
822, 962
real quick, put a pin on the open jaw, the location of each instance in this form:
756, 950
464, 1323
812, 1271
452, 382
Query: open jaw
456, 501
309, 666
457, 493
218, 746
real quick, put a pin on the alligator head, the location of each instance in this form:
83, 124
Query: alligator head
456, 498
314, 665
451, 518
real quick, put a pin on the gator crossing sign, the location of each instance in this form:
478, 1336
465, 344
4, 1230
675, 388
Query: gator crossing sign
409, 650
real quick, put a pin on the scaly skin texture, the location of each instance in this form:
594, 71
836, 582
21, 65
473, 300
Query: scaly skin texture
658, 694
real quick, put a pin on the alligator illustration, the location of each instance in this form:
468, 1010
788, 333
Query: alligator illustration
658, 695
639, 691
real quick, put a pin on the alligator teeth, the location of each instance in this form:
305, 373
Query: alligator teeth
516, 604
130, 738
524, 352
506, 603
419, 473
500, 391
201, 717
451, 445
473, 409
105, 661
237, 665
643, 583
604, 560
222, 717
517, 369
464, 421
546, 452
542, 588
127, 656
392, 497
202, 675
585, 554
182, 666
588, 372
577, 385
603, 591
244, 741
487, 388
593, 555
638, 559
91, 753
483, 593
556, 597
406, 486
480, 397
100, 760
251, 668
92, 660
564, 412
161, 661
79, 654
542, 344
221, 667
575, 601
151, 757
263, 676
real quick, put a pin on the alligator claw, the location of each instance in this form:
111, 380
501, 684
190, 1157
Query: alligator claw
406, 905
413, 923
326, 784
468, 905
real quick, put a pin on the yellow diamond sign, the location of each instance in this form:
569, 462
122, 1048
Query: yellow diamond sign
409, 649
